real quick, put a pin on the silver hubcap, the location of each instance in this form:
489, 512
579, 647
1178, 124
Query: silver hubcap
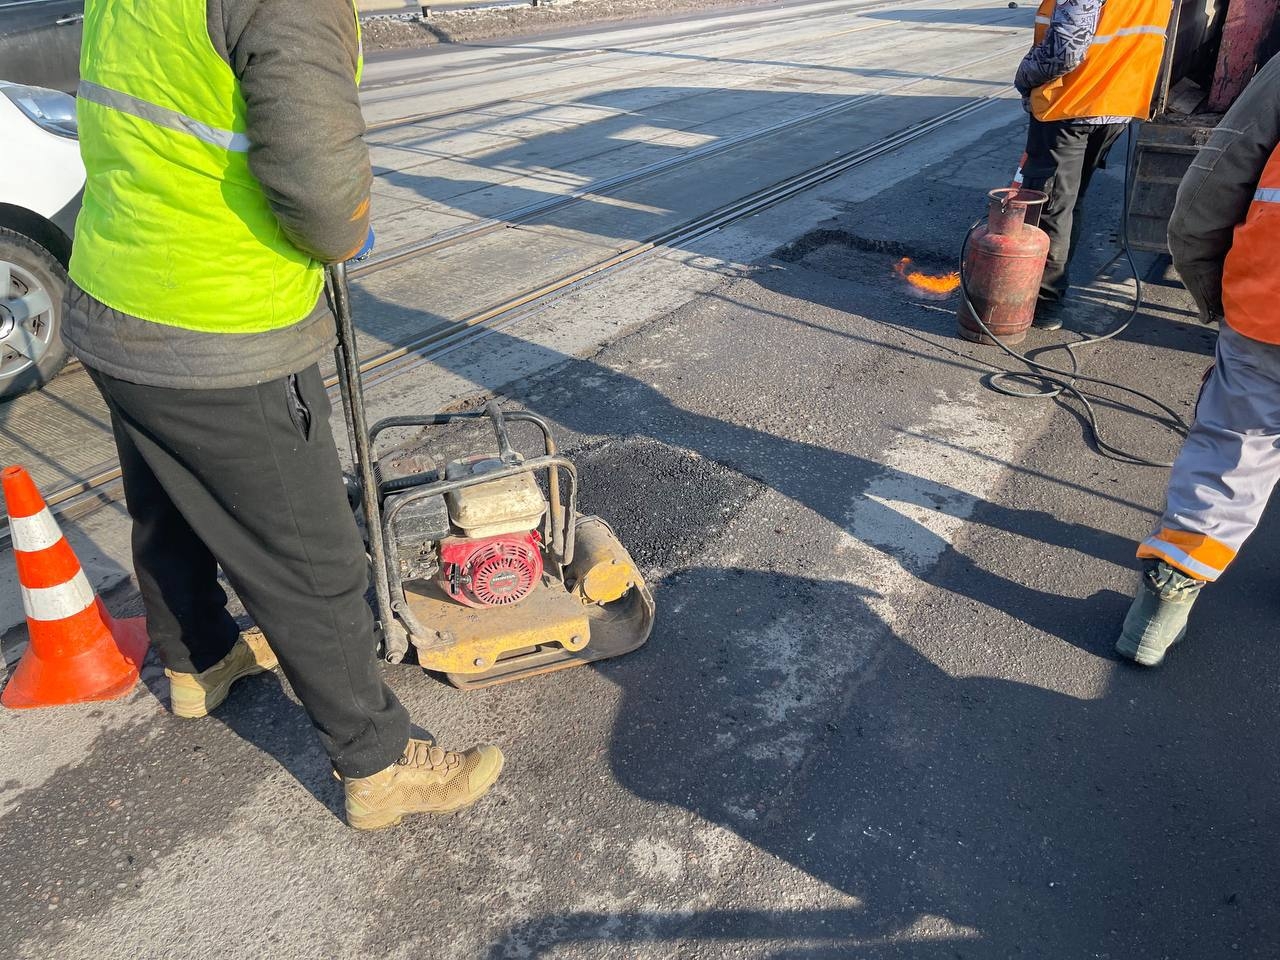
26, 319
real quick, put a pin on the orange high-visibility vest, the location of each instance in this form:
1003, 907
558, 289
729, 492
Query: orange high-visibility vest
1119, 73
1250, 278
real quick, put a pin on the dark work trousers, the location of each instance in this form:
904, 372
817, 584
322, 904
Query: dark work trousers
1061, 160
248, 479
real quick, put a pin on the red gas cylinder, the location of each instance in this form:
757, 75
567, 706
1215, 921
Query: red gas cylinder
1003, 264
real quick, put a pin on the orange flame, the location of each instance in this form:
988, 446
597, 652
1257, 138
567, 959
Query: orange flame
939, 285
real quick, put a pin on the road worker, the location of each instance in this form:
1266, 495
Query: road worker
1092, 69
225, 167
1224, 236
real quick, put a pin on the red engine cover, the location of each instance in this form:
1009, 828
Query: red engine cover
493, 571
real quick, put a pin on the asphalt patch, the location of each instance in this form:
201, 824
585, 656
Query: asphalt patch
798, 249
664, 502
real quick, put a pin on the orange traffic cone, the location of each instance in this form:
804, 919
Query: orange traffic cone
78, 651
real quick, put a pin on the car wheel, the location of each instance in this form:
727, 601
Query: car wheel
32, 283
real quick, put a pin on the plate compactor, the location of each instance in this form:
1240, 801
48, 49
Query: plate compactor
488, 574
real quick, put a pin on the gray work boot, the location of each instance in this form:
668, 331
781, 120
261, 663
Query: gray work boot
1158, 617
427, 779
195, 694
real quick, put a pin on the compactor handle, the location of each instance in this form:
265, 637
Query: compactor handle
351, 389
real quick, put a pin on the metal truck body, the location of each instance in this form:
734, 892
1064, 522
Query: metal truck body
1215, 48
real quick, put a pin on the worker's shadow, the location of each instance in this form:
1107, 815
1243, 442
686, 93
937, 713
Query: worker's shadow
908, 811
260, 712
596, 401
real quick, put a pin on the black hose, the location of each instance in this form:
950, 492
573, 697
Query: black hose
1058, 382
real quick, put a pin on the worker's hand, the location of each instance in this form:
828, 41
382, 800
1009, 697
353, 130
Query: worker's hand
363, 253
1026, 102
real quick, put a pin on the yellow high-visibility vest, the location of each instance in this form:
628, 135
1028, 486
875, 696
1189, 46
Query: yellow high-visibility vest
174, 228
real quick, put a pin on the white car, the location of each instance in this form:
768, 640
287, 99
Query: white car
41, 183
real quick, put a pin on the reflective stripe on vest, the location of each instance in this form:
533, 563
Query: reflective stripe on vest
174, 227
1250, 278
1129, 32
1120, 69
162, 116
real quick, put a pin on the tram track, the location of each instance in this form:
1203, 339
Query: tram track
448, 238
575, 55
430, 347
415, 119
774, 45
100, 485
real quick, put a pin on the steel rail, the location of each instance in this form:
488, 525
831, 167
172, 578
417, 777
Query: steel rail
413, 119
88, 494
447, 238
567, 57
408, 120
464, 332
771, 25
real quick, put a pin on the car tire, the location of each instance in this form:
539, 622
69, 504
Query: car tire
31, 351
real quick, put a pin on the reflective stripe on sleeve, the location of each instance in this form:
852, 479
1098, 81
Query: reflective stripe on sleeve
1267, 195
162, 116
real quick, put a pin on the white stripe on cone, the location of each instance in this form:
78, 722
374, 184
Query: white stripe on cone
58, 603
37, 532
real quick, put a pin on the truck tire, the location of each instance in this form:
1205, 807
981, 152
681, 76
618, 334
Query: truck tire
32, 283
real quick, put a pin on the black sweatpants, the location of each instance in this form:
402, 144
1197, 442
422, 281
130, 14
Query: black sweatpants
1061, 159
248, 479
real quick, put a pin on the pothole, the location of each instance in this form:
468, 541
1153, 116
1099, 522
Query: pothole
848, 256
665, 503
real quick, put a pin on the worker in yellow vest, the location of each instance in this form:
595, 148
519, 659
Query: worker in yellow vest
1092, 69
222, 141
1224, 234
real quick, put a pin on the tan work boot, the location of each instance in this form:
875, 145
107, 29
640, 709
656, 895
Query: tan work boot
195, 694
427, 779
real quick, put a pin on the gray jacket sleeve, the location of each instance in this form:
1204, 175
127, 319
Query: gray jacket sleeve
296, 63
1214, 196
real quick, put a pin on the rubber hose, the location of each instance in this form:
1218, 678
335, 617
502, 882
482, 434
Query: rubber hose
1057, 382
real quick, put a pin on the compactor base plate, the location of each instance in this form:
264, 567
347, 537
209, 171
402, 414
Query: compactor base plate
608, 612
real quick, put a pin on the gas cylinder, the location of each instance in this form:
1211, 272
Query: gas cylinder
1003, 263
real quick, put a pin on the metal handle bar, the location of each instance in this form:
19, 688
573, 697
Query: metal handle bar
351, 389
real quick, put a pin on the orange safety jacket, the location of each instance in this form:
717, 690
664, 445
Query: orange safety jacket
1250, 276
1119, 73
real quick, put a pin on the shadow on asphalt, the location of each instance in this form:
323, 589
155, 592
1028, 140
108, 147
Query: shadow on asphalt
965, 816
1134, 824
289, 738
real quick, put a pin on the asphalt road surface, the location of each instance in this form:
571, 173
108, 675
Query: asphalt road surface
879, 715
